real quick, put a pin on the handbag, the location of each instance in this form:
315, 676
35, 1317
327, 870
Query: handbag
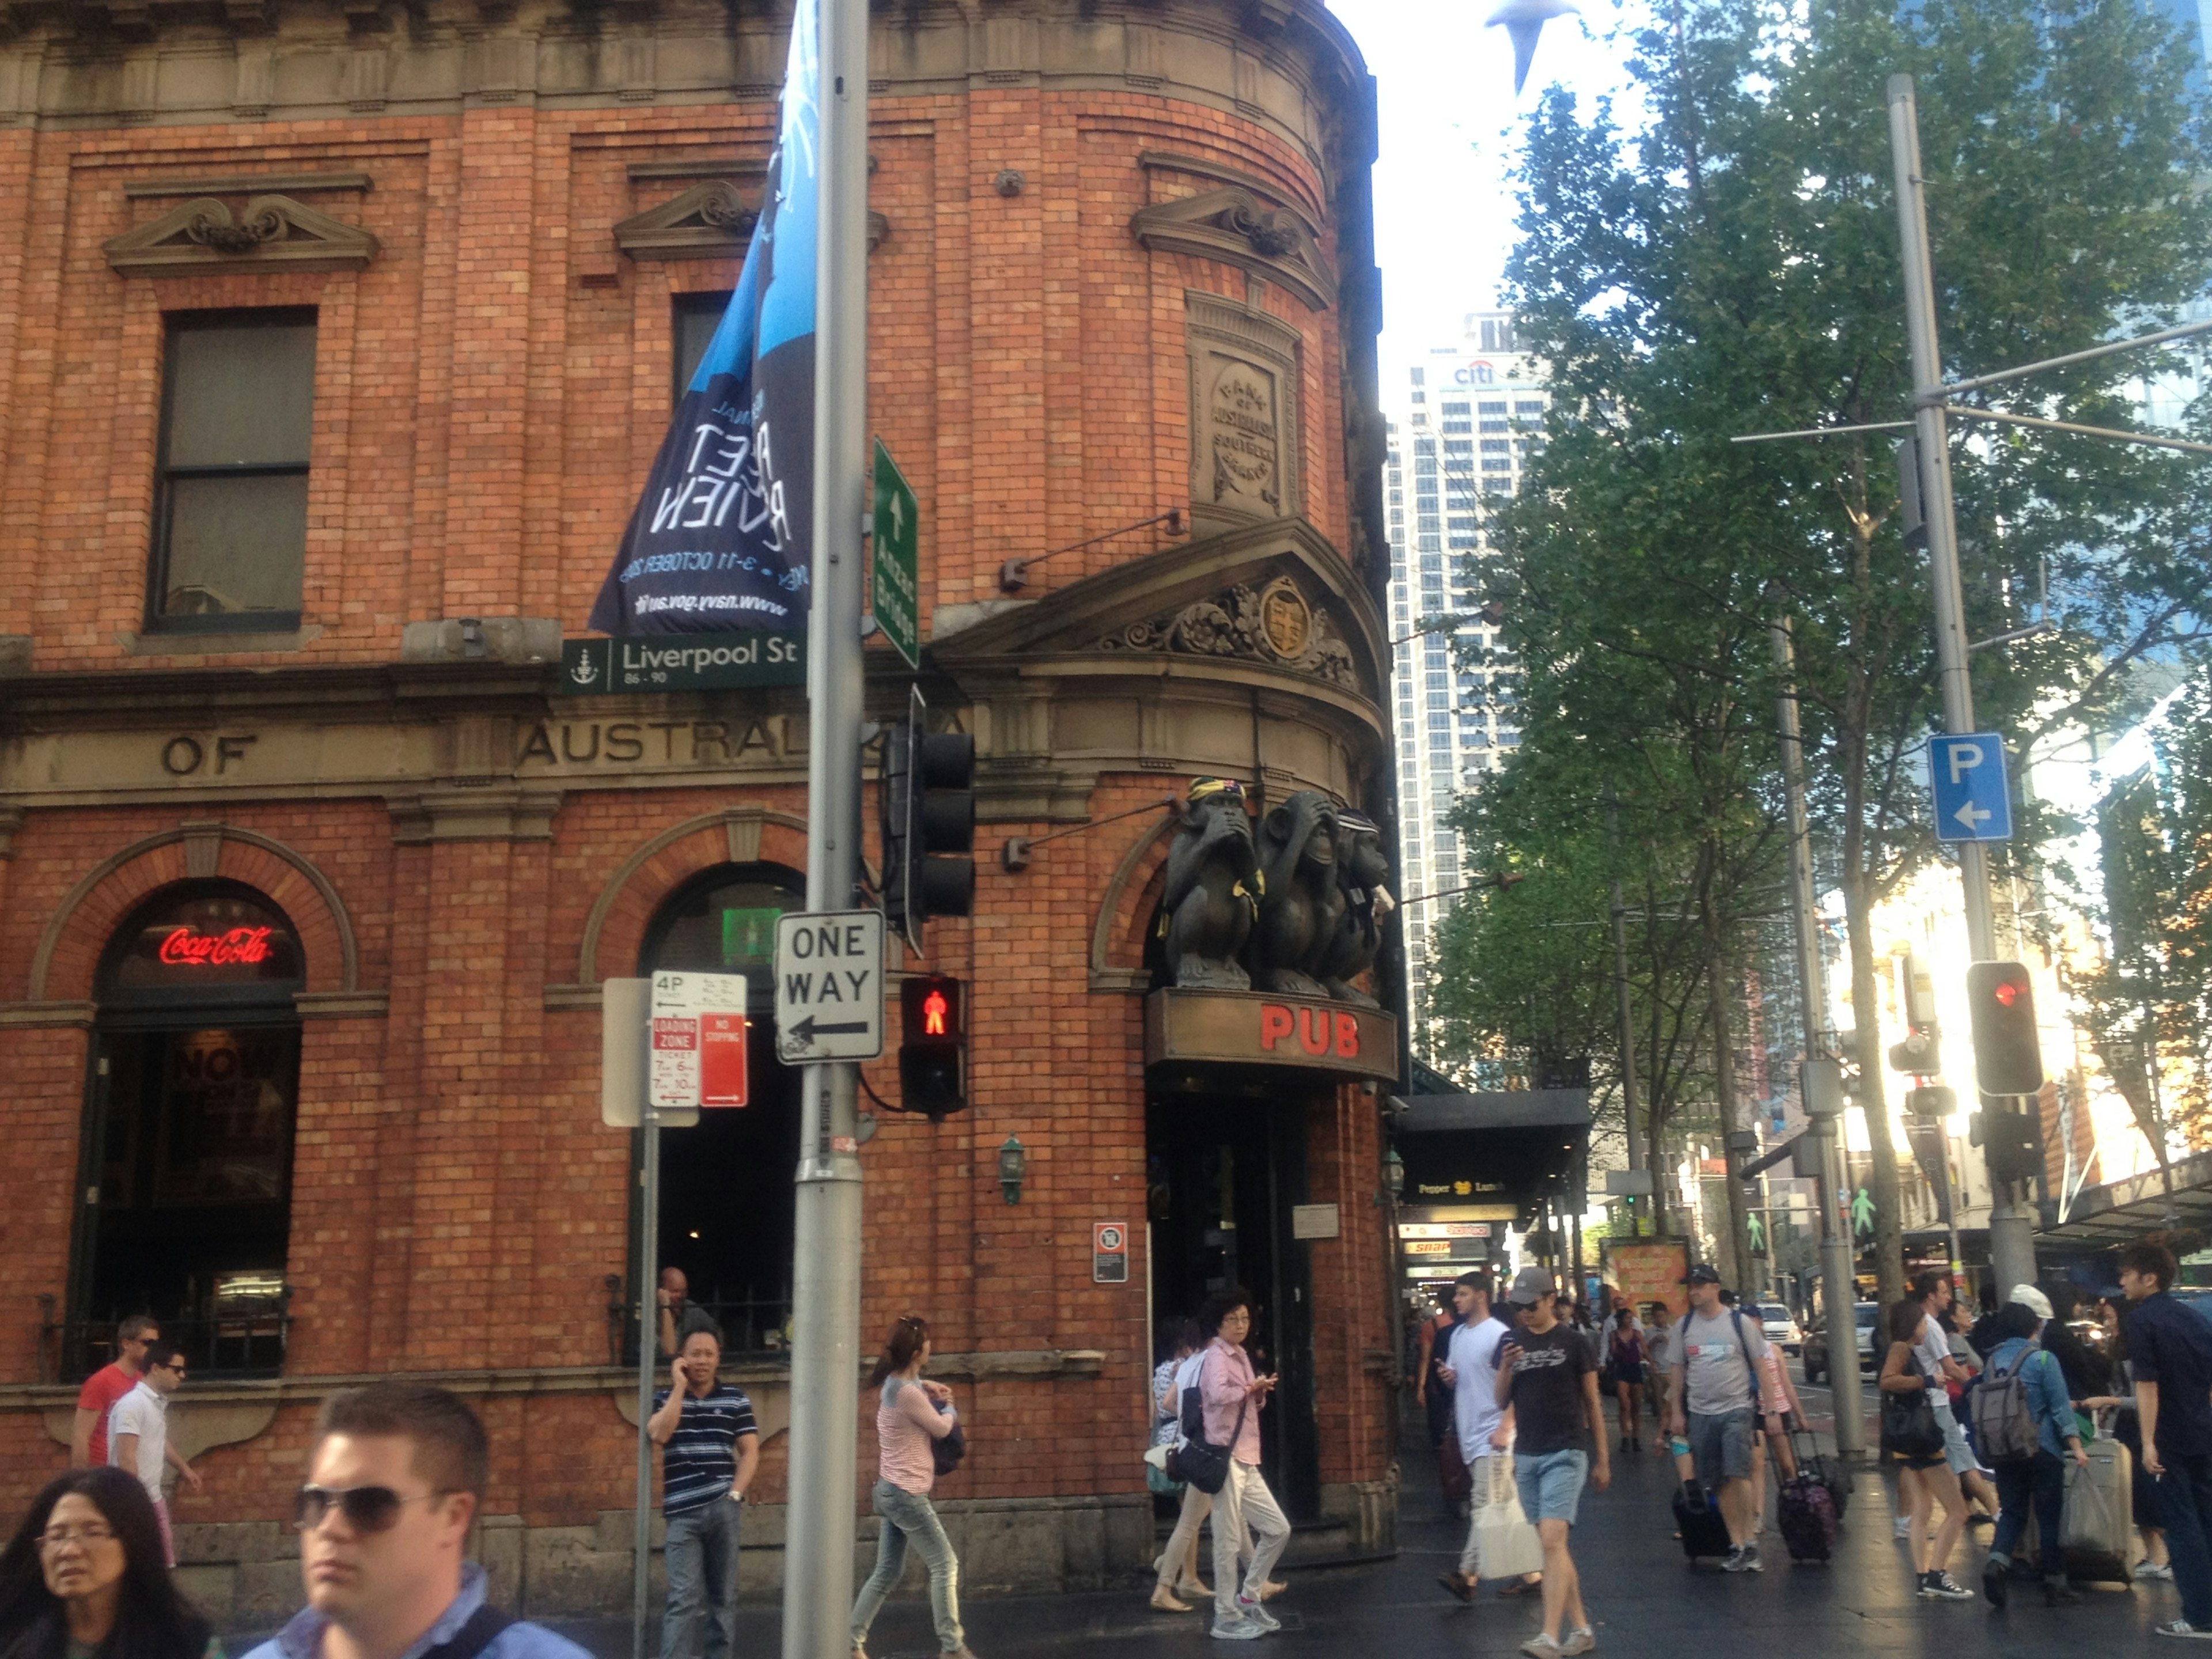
1197, 1461
1451, 1470
1909, 1428
946, 1453
1505, 1545
1158, 1480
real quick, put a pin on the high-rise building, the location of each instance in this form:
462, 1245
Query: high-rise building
1464, 422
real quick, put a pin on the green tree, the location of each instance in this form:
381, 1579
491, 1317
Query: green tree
1731, 267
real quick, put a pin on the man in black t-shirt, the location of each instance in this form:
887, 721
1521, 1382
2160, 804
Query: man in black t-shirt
1544, 1373
2170, 1354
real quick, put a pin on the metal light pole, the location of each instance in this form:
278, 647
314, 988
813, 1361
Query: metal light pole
1837, 1281
817, 1585
2011, 1240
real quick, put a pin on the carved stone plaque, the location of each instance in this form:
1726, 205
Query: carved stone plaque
1244, 429
1243, 438
1286, 620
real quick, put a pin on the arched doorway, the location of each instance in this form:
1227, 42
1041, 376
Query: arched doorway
187, 1157
726, 1201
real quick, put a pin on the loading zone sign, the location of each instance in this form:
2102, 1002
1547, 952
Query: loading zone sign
829, 986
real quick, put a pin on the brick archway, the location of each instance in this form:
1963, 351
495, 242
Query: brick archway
615, 931
77, 933
1117, 937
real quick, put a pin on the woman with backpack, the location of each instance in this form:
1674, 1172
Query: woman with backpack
2026, 1425
912, 1416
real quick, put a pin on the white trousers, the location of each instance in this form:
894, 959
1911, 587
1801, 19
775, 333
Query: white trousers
1243, 1502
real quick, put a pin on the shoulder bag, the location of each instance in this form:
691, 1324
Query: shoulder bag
1204, 1465
1909, 1428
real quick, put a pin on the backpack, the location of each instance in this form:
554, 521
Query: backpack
2004, 1422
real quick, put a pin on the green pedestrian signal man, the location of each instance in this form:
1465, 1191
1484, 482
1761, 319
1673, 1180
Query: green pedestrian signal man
1758, 1232
1863, 1215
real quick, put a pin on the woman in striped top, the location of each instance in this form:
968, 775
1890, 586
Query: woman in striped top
910, 1414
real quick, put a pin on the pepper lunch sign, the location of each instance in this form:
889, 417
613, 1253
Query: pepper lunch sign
1251, 1028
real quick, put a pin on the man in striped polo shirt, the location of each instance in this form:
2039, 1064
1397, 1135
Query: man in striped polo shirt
710, 1448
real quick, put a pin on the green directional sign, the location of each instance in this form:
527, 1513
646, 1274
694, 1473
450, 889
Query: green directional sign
898, 568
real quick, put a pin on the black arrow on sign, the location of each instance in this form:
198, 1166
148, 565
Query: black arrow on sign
804, 1030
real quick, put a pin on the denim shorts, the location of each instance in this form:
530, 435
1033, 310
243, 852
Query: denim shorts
1551, 1484
1720, 1446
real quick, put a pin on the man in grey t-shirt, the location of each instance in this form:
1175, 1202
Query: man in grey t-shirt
1715, 1359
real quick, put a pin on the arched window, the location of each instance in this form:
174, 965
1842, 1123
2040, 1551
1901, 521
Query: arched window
187, 1147
726, 1201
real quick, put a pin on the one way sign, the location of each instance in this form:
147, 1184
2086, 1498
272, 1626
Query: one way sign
1972, 800
828, 987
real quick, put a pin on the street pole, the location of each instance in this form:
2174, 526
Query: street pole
648, 1334
817, 1586
1624, 1014
1839, 1283
2011, 1239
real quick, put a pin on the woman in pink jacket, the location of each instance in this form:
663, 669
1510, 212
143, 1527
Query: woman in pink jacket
1233, 1398
910, 1414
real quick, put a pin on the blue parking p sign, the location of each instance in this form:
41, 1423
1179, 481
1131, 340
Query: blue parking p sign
1972, 800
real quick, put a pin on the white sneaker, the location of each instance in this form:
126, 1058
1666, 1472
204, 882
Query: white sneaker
1250, 1609
1579, 1641
2183, 1628
1236, 1630
2154, 1570
1540, 1646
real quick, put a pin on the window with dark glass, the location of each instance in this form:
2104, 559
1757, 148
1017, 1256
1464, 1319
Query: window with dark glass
230, 511
697, 317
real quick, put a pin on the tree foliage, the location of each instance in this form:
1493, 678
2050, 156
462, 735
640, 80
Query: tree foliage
1731, 267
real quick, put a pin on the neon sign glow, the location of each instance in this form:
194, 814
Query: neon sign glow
187, 947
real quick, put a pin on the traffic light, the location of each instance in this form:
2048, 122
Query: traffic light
1919, 1054
928, 813
1932, 1101
930, 1037
2013, 1144
2008, 1058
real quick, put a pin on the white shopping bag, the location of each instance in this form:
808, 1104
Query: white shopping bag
1505, 1545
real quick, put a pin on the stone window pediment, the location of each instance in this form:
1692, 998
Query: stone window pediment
712, 219
1234, 225
274, 231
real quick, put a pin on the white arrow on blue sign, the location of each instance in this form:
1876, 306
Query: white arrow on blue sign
1972, 800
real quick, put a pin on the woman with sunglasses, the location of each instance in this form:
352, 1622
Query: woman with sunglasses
85, 1577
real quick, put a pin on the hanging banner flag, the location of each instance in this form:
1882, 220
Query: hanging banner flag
720, 539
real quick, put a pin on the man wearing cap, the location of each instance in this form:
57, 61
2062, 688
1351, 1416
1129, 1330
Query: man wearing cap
1546, 1377
1715, 1356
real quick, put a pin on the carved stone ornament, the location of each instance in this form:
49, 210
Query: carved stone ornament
1245, 433
1276, 624
1234, 225
708, 221
203, 234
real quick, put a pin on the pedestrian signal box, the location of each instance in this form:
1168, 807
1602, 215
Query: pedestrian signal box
2007, 1056
933, 1033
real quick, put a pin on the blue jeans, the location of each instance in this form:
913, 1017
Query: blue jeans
2039, 1480
2185, 1503
908, 1515
702, 1581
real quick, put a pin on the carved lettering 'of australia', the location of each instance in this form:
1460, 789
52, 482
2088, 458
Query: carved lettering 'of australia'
1244, 431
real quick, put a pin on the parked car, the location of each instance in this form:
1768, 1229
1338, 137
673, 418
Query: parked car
1816, 1343
1777, 1326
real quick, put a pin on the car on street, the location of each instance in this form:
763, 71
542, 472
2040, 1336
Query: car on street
1777, 1326
1816, 1343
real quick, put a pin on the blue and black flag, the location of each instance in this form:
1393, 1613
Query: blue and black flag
720, 541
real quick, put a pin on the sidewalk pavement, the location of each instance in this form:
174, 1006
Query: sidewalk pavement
1645, 1598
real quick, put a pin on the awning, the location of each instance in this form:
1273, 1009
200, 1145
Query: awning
2121, 1212
1504, 1146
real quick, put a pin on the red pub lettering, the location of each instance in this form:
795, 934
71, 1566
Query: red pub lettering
1317, 1030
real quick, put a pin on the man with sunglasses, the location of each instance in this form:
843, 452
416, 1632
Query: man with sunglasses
395, 1480
138, 1433
88, 1437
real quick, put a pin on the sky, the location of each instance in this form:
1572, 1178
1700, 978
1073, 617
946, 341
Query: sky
1450, 128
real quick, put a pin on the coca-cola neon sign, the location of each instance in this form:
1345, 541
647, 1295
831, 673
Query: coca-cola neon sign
188, 947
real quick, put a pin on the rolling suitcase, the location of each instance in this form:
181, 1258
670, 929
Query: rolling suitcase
1698, 1517
1830, 1472
1806, 1515
2097, 1529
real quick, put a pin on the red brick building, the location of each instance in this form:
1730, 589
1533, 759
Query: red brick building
335, 340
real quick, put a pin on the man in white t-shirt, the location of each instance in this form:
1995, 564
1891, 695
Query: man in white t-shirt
1484, 1428
1933, 1350
138, 1433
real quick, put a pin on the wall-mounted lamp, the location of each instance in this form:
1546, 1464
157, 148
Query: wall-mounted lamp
1013, 1164
1393, 1173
